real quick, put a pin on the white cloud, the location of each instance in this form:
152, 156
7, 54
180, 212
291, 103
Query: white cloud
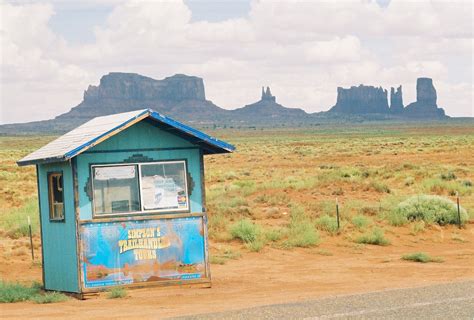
34, 85
302, 49
336, 50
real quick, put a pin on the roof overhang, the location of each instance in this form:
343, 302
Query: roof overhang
208, 144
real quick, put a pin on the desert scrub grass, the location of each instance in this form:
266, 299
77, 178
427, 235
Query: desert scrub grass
233, 202
224, 256
245, 230
230, 175
216, 260
409, 181
421, 257
458, 237
50, 297
275, 199
430, 209
327, 207
369, 210
301, 231
15, 292
467, 183
275, 234
247, 187
360, 221
327, 223
417, 227
379, 187
257, 245
349, 172
15, 221
395, 219
447, 187
448, 176
116, 293
229, 253
324, 252
218, 227
374, 237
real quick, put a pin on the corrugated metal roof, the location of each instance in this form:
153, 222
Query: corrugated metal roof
100, 129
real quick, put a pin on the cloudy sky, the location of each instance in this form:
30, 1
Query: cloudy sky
52, 50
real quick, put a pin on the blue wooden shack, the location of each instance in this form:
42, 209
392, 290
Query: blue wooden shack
122, 202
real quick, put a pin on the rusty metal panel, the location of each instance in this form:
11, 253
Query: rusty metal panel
142, 251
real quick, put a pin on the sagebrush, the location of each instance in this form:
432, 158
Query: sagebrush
428, 208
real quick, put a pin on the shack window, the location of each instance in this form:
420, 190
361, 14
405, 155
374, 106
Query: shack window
116, 189
140, 188
164, 186
56, 196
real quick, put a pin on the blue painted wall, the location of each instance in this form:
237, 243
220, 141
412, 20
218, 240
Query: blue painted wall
59, 238
146, 140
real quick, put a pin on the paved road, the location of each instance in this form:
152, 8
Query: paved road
444, 301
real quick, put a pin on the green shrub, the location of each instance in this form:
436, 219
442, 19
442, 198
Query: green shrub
302, 236
15, 292
245, 230
380, 187
301, 232
274, 235
360, 221
116, 292
395, 219
327, 223
365, 174
256, 245
375, 237
448, 176
431, 209
421, 257
50, 297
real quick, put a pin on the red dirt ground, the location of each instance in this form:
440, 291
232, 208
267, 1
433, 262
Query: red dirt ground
272, 276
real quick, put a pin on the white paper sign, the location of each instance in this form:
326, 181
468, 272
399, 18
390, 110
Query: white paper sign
160, 193
118, 172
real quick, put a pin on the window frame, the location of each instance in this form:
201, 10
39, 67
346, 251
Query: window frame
50, 197
142, 211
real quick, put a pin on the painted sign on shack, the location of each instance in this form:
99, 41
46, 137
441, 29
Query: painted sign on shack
129, 252
122, 203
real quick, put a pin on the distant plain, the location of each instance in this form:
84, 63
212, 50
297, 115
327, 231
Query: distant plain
272, 207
